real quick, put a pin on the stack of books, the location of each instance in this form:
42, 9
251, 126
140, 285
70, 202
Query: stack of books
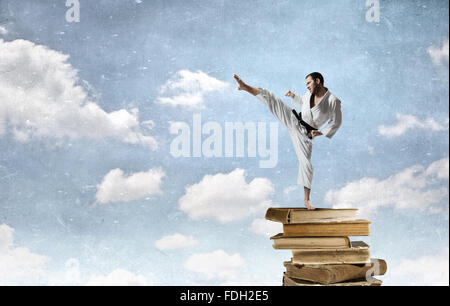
322, 252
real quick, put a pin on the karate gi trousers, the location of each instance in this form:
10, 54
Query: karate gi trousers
302, 143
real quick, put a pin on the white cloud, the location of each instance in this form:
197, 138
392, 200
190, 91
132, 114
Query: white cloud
41, 97
226, 197
439, 169
409, 122
188, 88
118, 277
117, 187
175, 241
266, 227
18, 265
3, 31
408, 189
72, 275
439, 55
216, 265
290, 189
148, 124
430, 270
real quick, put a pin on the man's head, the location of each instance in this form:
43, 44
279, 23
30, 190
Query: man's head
314, 81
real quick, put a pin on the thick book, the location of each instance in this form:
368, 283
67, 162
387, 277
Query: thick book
334, 229
283, 242
301, 215
357, 254
330, 274
290, 281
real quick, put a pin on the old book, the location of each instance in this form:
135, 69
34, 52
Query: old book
334, 229
281, 241
357, 254
301, 215
330, 274
289, 281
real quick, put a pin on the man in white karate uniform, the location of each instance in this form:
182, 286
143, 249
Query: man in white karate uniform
317, 106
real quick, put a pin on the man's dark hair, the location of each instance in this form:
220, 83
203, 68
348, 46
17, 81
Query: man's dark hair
316, 75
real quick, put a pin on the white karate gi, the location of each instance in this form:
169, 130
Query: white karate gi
328, 109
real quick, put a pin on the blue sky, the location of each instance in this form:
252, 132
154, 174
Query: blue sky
91, 194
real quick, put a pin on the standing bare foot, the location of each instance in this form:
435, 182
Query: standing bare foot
309, 205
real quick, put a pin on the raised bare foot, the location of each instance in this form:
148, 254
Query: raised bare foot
241, 84
309, 205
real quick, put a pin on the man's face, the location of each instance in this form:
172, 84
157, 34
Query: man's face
311, 85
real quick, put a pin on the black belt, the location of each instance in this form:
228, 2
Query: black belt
306, 125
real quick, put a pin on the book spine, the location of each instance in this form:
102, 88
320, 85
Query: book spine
319, 258
330, 216
348, 242
321, 230
287, 242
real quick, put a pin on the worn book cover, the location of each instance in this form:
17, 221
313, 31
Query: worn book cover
358, 253
291, 281
343, 228
303, 215
282, 241
335, 273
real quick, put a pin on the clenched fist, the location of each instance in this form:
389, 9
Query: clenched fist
289, 94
